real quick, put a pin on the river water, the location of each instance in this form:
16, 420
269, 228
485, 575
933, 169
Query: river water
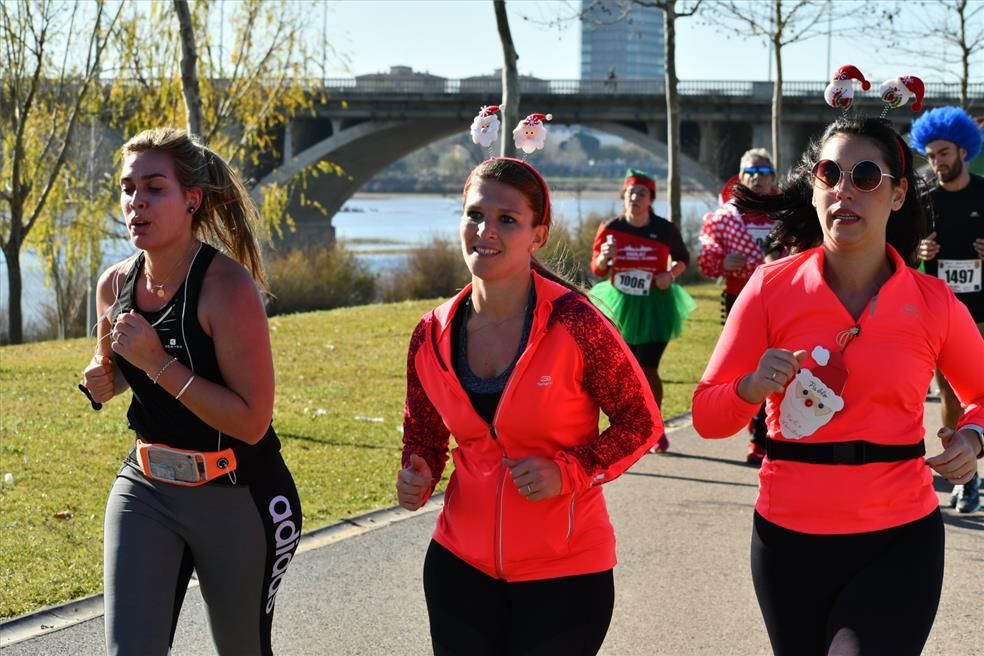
388, 223
376, 227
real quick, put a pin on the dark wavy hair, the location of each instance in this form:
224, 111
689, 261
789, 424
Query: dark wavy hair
797, 225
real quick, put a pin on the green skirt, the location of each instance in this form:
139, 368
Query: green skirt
658, 317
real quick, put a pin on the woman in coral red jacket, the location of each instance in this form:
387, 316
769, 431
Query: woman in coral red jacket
841, 341
517, 367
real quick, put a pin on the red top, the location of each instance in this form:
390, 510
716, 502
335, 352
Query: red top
874, 392
653, 247
726, 231
575, 365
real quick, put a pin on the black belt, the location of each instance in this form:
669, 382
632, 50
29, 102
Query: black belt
856, 452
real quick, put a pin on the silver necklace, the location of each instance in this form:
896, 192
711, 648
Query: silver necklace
160, 289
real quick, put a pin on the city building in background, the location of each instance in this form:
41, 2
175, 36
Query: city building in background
621, 41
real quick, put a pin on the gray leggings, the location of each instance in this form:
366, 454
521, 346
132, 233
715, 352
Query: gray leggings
239, 538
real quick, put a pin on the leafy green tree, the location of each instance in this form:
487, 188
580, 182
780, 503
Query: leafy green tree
174, 69
45, 93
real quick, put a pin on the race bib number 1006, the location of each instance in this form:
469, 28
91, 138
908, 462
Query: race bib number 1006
963, 276
634, 282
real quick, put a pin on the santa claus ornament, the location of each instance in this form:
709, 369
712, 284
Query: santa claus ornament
839, 94
531, 134
814, 396
485, 127
898, 91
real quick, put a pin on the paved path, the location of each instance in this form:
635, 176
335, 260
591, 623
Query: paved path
683, 584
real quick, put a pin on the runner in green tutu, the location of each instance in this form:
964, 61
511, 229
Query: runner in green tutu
640, 255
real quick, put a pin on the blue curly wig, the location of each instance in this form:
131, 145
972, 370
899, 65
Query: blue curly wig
951, 124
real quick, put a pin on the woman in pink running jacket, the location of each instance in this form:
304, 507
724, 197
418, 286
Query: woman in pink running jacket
517, 367
841, 341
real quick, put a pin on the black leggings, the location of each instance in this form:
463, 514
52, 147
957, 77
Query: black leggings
648, 354
846, 595
476, 615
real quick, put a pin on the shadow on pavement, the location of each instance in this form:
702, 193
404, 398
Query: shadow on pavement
972, 521
687, 478
940, 484
723, 461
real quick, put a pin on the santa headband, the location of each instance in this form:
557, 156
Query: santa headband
951, 124
895, 92
529, 136
637, 177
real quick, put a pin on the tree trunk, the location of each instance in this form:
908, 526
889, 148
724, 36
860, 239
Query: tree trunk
672, 115
510, 81
15, 319
777, 89
964, 55
189, 68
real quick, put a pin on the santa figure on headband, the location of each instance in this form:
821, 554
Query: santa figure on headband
900, 90
485, 126
531, 134
839, 94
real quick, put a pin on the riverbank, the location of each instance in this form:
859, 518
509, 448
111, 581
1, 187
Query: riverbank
587, 194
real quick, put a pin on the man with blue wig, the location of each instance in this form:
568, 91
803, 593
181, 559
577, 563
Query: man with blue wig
954, 250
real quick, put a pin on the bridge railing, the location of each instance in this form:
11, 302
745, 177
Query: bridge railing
493, 87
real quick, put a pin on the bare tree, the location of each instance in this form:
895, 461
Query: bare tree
510, 79
241, 103
949, 33
780, 23
617, 10
189, 68
672, 10
43, 95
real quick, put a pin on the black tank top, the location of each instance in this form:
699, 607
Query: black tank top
154, 414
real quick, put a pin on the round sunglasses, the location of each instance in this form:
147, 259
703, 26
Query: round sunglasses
865, 176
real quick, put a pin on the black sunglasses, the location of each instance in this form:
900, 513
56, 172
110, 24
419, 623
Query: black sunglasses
761, 170
865, 176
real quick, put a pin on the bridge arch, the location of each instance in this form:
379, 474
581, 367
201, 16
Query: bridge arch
690, 166
366, 123
361, 151
366, 148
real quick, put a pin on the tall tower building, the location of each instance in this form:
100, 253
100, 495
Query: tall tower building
630, 47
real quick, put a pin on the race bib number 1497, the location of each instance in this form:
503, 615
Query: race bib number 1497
962, 276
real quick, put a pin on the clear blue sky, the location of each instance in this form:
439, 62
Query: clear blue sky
458, 38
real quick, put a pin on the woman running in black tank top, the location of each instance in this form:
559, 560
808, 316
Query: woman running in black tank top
204, 488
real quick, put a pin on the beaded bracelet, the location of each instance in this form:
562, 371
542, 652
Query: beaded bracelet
184, 387
163, 369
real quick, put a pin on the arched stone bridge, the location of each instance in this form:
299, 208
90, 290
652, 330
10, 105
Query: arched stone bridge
365, 125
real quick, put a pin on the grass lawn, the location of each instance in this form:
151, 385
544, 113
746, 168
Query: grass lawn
340, 387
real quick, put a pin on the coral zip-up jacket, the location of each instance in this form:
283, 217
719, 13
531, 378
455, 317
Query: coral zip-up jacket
574, 365
913, 326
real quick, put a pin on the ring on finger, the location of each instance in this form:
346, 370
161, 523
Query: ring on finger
773, 376
529, 489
